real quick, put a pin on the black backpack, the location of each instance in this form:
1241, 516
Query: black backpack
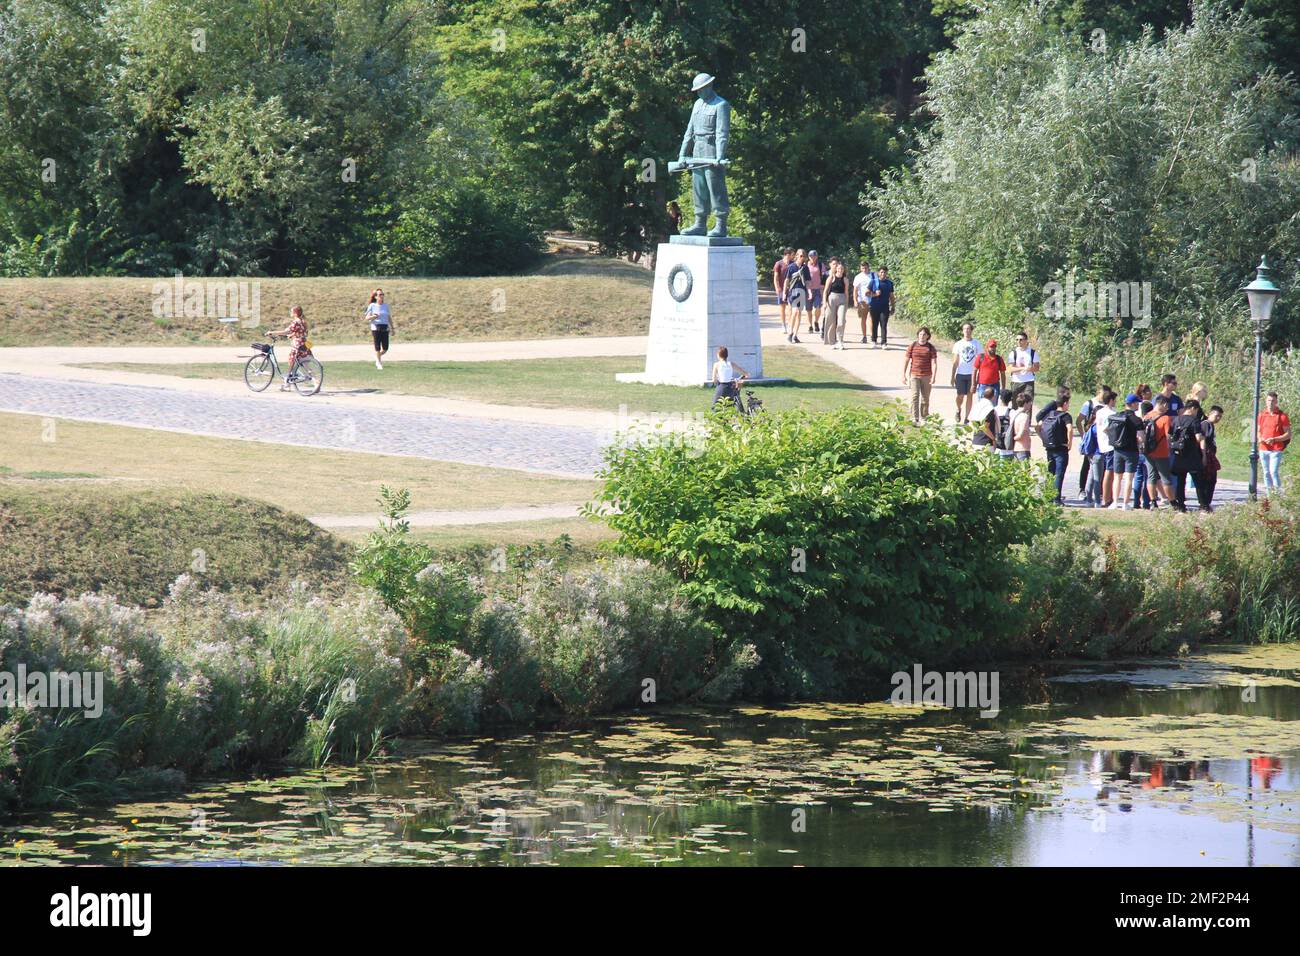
1182, 435
1054, 428
1005, 441
1120, 431
1150, 434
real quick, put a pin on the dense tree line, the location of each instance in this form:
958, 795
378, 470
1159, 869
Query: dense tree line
426, 137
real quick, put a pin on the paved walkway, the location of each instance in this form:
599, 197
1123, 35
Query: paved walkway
546, 449
564, 442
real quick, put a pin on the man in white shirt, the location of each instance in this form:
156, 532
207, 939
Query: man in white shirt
864, 287
964, 352
1104, 447
1022, 363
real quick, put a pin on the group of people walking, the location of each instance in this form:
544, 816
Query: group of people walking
825, 293
1133, 454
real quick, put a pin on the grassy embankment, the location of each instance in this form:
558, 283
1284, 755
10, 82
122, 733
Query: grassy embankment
564, 296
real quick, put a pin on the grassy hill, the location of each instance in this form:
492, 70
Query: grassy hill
563, 296
133, 543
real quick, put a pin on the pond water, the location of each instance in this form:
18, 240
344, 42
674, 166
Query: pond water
1189, 762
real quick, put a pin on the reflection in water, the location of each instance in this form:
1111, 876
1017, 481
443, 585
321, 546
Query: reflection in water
1079, 768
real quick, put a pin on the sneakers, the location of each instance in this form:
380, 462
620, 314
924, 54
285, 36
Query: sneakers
864, 340
379, 365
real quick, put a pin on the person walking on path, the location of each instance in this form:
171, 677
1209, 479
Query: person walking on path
920, 364
796, 289
1082, 425
864, 287
964, 352
725, 383
837, 306
1274, 435
1056, 431
816, 278
381, 325
1023, 365
990, 369
778, 283
882, 307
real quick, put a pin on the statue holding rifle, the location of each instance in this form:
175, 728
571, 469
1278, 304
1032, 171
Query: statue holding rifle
704, 156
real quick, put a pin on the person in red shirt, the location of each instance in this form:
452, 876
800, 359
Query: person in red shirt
990, 369
1274, 435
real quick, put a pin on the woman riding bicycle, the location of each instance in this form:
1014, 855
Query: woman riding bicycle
725, 383
296, 332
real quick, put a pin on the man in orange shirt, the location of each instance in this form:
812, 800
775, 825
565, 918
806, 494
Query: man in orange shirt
1157, 452
1274, 435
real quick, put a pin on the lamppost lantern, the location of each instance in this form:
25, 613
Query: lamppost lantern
1260, 294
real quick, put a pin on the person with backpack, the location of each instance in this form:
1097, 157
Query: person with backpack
1006, 440
1187, 453
1155, 445
1274, 435
1023, 365
1056, 431
1122, 429
1021, 425
797, 277
990, 369
984, 416
1092, 459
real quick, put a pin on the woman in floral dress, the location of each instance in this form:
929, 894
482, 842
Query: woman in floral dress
296, 332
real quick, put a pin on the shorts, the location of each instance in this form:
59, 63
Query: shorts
799, 297
1124, 462
1162, 469
1019, 387
1107, 460
380, 334
815, 298
963, 384
782, 298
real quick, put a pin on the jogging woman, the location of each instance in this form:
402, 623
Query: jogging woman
381, 325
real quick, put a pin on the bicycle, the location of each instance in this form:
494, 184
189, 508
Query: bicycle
307, 375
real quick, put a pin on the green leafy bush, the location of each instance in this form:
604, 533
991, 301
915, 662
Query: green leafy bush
836, 543
1230, 576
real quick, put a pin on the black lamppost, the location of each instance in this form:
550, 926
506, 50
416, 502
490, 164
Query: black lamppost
1261, 294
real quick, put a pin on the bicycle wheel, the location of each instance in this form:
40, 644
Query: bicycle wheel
258, 372
308, 376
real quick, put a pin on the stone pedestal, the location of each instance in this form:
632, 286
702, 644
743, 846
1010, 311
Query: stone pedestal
705, 295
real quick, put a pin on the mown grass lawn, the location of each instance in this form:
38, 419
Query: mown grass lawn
303, 480
815, 384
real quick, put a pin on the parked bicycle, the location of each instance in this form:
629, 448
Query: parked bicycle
306, 376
